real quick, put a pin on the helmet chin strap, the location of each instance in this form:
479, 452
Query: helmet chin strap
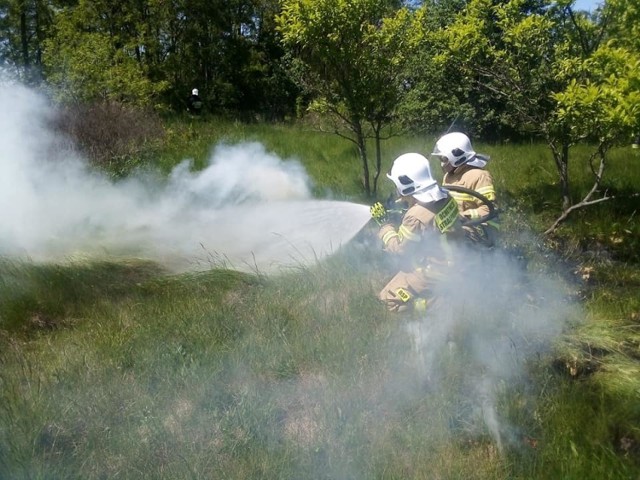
447, 167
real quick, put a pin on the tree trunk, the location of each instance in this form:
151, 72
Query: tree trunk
24, 37
601, 153
378, 160
362, 150
564, 177
561, 158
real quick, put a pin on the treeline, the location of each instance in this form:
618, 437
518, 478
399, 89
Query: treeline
153, 52
150, 52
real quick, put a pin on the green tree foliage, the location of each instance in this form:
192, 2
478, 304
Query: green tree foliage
623, 35
349, 57
281, 91
97, 51
623, 23
155, 52
252, 67
24, 25
438, 93
548, 66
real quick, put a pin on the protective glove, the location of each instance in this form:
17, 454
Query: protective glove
379, 213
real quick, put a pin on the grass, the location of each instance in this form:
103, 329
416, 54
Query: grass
123, 370
249, 384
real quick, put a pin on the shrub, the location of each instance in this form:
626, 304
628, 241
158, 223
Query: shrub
111, 135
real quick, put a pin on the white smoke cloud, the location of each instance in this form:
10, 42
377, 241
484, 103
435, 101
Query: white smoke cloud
493, 318
248, 209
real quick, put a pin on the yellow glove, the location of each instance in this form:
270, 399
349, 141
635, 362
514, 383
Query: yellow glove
379, 213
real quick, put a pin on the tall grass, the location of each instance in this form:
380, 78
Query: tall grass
332, 162
227, 376
121, 370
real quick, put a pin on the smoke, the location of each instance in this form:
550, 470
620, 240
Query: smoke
458, 375
493, 318
248, 209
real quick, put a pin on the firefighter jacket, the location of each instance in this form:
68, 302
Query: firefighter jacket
473, 178
423, 233
194, 104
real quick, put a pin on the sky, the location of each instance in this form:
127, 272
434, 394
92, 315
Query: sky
589, 5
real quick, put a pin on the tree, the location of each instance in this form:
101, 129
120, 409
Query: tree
604, 108
101, 50
438, 96
555, 77
151, 52
228, 50
623, 23
25, 25
349, 56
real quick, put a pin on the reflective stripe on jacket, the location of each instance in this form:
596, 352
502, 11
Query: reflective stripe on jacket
423, 231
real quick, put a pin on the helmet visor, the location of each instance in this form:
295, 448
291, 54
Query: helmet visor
404, 184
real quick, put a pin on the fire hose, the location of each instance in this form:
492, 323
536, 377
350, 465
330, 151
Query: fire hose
472, 226
468, 222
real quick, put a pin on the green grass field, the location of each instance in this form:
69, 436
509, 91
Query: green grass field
126, 370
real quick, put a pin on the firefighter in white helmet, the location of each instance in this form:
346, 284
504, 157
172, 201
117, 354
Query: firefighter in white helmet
432, 217
463, 167
194, 102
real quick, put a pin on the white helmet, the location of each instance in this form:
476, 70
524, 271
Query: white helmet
194, 91
456, 150
411, 174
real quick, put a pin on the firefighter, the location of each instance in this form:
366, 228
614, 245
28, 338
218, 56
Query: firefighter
421, 239
194, 102
463, 167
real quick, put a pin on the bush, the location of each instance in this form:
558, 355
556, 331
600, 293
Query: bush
111, 135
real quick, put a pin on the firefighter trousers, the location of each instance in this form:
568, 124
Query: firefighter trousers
412, 290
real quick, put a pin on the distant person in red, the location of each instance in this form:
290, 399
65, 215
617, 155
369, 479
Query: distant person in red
194, 103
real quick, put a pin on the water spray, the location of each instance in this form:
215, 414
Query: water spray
247, 209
